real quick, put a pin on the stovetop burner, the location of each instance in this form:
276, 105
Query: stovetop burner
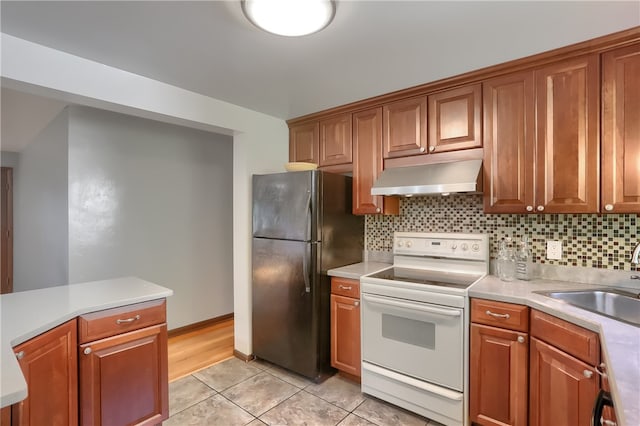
428, 277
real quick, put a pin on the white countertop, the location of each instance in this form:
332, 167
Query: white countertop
620, 341
29, 313
357, 270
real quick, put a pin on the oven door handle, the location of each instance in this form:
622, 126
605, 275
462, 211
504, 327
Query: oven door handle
445, 393
413, 306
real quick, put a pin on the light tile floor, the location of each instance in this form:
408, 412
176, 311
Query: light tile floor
258, 393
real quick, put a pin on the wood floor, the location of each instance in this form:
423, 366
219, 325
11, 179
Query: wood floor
200, 348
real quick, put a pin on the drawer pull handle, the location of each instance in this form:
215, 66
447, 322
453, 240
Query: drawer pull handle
588, 374
20, 355
493, 314
87, 351
356, 303
128, 320
344, 287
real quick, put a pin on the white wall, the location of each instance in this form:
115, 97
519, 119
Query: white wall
152, 200
260, 142
9, 159
40, 219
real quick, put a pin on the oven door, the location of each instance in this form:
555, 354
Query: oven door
418, 339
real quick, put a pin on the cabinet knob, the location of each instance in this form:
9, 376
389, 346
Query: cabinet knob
587, 373
520, 339
432, 148
608, 207
20, 355
378, 210
529, 208
87, 351
540, 208
422, 149
600, 369
356, 303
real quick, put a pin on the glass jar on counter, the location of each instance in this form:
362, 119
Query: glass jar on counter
524, 260
506, 262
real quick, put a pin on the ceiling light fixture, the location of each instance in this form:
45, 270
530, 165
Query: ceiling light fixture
289, 18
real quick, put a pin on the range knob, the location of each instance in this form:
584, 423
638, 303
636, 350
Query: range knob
454, 246
409, 244
475, 247
465, 247
400, 243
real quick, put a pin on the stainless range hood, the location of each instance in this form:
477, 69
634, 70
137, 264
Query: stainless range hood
429, 179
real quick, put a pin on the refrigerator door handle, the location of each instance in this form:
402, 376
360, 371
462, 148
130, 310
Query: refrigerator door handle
305, 268
308, 213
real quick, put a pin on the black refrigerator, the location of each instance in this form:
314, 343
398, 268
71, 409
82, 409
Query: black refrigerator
302, 227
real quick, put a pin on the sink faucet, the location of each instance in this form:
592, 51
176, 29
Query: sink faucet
635, 257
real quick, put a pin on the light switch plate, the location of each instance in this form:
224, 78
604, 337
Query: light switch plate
554, 250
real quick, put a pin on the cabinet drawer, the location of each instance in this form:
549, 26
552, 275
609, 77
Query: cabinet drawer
345, 287
110, 322
500, 314
575, 340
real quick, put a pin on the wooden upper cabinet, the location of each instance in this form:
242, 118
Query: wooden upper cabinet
562, 388
621, 130
367, 164
567, 158
455, 119
509, 142
335, 140
50, 366
405, 127
304, 142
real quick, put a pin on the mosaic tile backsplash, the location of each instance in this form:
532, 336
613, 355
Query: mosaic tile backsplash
589, 240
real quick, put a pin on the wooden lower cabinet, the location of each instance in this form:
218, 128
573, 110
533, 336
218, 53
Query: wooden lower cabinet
562, 390
49, 365
123, 379
499, 372
345, 326
545, 377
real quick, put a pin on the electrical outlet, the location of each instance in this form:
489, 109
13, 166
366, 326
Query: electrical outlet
554, 250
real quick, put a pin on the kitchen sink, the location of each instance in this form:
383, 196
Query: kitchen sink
614, 303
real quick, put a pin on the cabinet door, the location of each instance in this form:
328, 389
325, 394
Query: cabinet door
621, 130
123, 379
335, 140
567, 159
454, 119
303, 142
498, 376
509, 142
562, 388
608, 413
50, 367
405, 127
345, 334
367, 164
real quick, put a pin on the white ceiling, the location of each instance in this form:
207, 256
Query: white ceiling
371, 48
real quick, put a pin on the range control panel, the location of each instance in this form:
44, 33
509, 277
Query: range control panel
453, 245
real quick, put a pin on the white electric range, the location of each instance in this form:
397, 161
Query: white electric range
415, 323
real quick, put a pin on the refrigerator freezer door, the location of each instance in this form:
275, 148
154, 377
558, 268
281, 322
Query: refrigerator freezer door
283, 204
285, 315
